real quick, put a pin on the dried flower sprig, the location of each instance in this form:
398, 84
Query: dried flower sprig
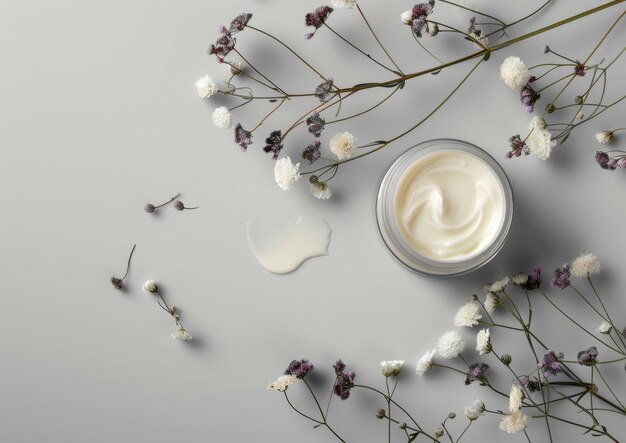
150, 208
118, 283
151, 287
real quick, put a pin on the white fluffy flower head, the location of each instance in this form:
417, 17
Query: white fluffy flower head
150, 286
286, 173
222, 118
605, 328
281, 383
491, 302
450, 344
515, 398
206, 87
344, 4
513, 73
585, 265
391, 367
475, 410
540, 140
468, 315
182, 335
483, 341
320, 190
407, 17
604, 137
426, 362
498, 286
514, 423
343, 145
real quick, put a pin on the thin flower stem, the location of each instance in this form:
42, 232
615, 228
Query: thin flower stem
330, 397
166, 203
388, 409
269, 114
555, 82
587, 301
464, 431
377, 39
608, 386
608, 316
299, 412
473, 10
275, 87
367, 110
325, 420
424, 48
520, 20
129, 259
579, 425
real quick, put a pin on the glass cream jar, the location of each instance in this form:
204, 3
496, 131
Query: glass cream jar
444, 208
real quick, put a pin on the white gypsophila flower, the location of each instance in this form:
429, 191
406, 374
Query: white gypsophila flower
513, 72
150, 286
321, 190
286, 173
391, 367
498, 286
281, 383
407, 17
520, 278
344, 4
540, 140
182, 334
468, 315
605, 328
450, 344
514, 423
222, 118
343, 145
206, 87
604, 137
491, 302
426, 362
585, 265
475, 410
483, 341
515, 398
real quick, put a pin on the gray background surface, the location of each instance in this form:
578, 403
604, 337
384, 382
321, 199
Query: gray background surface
100, 116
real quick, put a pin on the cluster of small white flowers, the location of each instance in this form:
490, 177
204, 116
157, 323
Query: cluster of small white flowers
468, 315
513, 73
605, 328
222, 118
475, 410
182, 335
483, 341
343, 145
391, 367
426, 362
604, 137
150, 286
514, 422
344, 4
321, 190
515, 398
585, 265
281, 383
206, 87
540, 140
491, 302
450, 344
286, 173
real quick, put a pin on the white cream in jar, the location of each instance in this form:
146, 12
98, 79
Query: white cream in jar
449, 205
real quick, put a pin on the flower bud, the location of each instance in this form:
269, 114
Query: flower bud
604, 137
149, 208
451, 415
580, 116
179, 205
546, 49
433, 30
578, 100
550, 108
506, 359
150, 286
380, 414
236, 68
438, 432
402, 425
117, 282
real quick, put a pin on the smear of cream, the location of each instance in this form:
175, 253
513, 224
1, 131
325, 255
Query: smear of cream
281, 246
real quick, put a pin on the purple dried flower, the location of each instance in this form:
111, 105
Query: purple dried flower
622, 163
316, 124
322, 91
344, 382
312, 152
274, 144
316, 19
579, 70
476, 372
550, 364
560, 277
612, 164
239, 23
118, 283
532, 79
528, 97
588, 357
223, 45
299, 368
242, 137
339, 367
420, 13
602, 158
530, 385
534, 280
518, 147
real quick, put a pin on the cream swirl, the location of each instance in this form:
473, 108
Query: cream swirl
449, 205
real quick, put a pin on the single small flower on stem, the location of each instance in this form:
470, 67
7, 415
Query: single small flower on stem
492, 301
407, 17
222, 118
450, 344
518, 147
235, 67
483, 341
344, 4
312, 152
604, 137
604, 161
540, 140
514, 422
344, 382
520, 278
239, 23
316, 19
286, 173
513, 73
274, 144
605, 328
150, 286
320, 189
118, 283
182, 335
560, 277
515, 398
206, 87
475, 410
468, 315
223, 45
498, 286
391, 367
180, 206
586, 265
529, 97
323, 91
315, 124
588, 357
243, 138
476, 371
476, 35
343, 145
150, 208
528, 384
426, 362
299, 368
579, 70
550, 364
281, 383
419, 15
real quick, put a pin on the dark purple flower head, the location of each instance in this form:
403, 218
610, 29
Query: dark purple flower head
323, 90
316, 19
560, 277
476, 371
239, 23
299, 368
602, 158
223, 45
588, 357
117, 282
534, 280
344, 382
532, 79
274, 144
579, 70
550, 364
242, 137
316, 124
622, 163
612, 164
419, 13
518, 147
312, 152
339, 367
530, 385
528, 97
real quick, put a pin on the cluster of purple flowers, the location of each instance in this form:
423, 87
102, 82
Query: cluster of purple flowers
528, 384
579, 70
315, 124
323, 90
316, 19
550, 364
312, 152
299, 368
344, 382
274, 144
588, 357
518, 147
226, 43
419, 23
476, 371
560, 277
242, 137
606, 162
528, 282
529, 97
